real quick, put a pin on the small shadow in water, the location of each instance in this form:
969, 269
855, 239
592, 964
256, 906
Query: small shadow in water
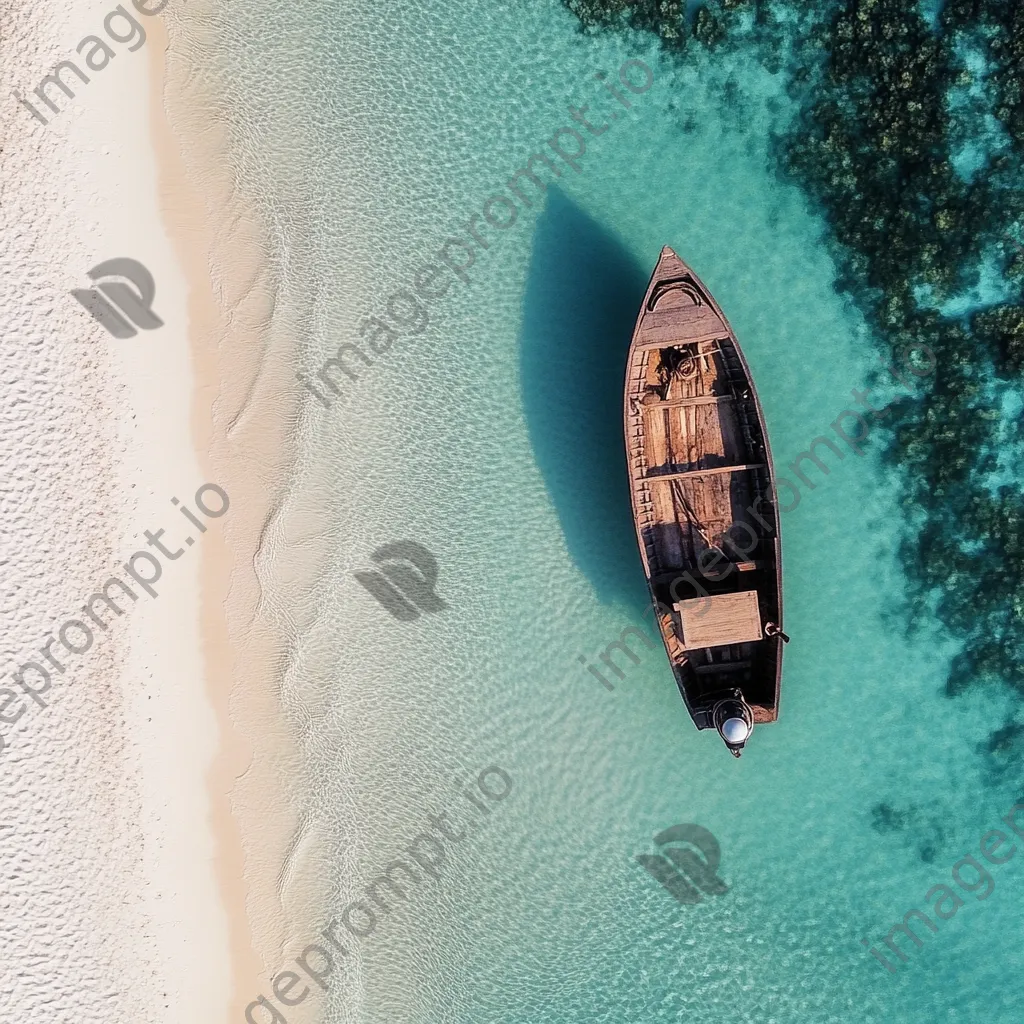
583, 294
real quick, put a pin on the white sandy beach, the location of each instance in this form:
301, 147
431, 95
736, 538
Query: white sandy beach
125, 898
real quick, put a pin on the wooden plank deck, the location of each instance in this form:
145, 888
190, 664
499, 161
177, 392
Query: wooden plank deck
720, 621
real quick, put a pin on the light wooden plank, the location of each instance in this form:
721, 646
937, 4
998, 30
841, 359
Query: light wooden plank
674, 403
714, 471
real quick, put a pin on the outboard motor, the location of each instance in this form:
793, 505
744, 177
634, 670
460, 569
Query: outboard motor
734, 721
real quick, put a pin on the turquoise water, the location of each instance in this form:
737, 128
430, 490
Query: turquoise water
493, 439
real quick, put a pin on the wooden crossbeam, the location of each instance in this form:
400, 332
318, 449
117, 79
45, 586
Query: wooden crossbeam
715, 572
714, 471
723, 666
673, 403
697, 339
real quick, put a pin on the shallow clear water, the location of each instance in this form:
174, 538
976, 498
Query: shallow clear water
494, 439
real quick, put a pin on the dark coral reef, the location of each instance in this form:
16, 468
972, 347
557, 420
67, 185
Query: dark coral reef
877, 148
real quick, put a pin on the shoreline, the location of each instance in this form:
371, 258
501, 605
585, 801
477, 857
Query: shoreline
240, 429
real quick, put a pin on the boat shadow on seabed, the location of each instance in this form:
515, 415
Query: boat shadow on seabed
582, 293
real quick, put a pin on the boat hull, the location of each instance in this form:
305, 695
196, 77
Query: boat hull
703, 495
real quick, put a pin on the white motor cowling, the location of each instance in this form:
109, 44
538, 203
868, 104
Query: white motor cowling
734, 721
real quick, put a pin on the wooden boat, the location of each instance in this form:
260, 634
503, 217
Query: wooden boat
701, 479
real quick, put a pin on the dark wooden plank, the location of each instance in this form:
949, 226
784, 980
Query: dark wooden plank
723, 666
